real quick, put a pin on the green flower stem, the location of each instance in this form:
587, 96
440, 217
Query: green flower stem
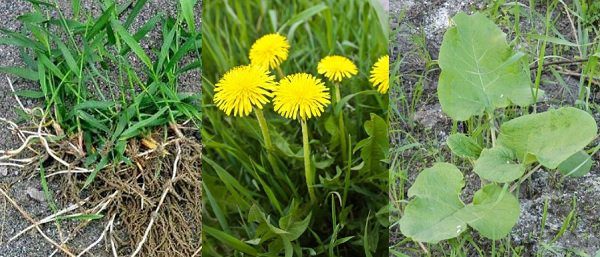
341, 125
262, 123
343, 144
280, 72
308, 173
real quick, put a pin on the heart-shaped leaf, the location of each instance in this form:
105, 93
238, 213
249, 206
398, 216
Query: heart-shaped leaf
498, 165
551, 137
480, 72
493, 213
430, 216
463, 146
577, 165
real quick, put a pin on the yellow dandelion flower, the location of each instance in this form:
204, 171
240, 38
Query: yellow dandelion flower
269, 51
336, 68
300, 95
380, 74
243, 88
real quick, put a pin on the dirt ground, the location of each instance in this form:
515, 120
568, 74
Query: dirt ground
409, 20
27, 191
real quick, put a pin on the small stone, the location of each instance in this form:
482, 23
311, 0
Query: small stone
3, 171
36, 194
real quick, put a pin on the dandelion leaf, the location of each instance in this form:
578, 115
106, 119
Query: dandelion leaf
375, 147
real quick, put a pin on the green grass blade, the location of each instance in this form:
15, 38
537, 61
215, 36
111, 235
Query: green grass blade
132, 43
20, 72
230, 240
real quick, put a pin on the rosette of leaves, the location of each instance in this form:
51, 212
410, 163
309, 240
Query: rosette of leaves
490, 76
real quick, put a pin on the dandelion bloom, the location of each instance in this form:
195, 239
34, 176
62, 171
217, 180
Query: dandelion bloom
243, 88
300, 95
336, 67
269, 51
380, 74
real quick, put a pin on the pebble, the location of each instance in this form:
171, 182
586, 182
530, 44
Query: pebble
35, 194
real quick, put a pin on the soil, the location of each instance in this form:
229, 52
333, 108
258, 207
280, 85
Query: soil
423, 23
26, 190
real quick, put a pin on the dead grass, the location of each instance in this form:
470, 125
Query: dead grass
150, 203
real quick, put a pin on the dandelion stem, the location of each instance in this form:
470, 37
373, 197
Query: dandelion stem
341, 125
308, 173
262, 122
280, 72
342, 129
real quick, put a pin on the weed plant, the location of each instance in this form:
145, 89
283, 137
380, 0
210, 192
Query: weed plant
294, 177
97, 82
555, 60
114, 121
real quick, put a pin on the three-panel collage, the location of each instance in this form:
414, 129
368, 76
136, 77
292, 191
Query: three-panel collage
268, 128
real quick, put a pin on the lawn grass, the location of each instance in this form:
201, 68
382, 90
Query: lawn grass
566, 61
258, 206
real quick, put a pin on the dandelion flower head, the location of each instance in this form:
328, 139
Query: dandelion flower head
380, 74
269, 51
300, 95
336, 68
243, 88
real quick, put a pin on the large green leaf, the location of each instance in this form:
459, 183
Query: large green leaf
436, 213
480, 72
498, 165
430, 216
493, 213
550, 137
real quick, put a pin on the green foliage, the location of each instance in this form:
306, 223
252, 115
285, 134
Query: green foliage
89, 82
577, 165
436, 212
498, 164
373, 149
256, 202
480, 72
550, 137
430, 216
464, 146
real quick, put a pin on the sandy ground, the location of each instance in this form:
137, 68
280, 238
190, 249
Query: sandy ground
431, 18
25, 191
